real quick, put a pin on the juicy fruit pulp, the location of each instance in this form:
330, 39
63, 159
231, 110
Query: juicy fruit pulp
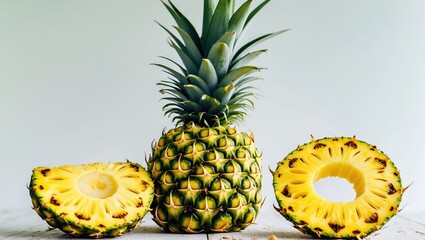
93, 200
206, 180
375, 178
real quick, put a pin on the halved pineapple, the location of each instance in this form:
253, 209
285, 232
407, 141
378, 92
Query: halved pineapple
376, 182
94, 200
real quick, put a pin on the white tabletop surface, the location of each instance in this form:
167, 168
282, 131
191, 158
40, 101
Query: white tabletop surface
26, 224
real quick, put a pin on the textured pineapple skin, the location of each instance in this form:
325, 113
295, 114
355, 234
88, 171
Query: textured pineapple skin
206, 179
377, 183
50, 209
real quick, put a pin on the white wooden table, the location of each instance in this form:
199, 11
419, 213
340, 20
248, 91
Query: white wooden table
25, 224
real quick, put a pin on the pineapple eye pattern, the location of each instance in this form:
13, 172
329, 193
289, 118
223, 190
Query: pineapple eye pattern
221, 192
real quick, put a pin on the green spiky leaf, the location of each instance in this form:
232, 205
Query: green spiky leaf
208, 73
220, 58
183, 22
219, 24
199, 82
173, 36
194, 92
187, 61
254, 12
182, 69
208, 13
191, 47
235, 74
237, 21
247, 58
207, 102
173, 73
256, 41
224, 94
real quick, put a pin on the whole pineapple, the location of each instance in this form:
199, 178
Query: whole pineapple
374, 176
207, 175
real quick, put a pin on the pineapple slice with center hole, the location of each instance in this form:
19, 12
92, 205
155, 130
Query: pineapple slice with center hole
375, 179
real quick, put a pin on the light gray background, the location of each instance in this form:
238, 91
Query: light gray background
76, 85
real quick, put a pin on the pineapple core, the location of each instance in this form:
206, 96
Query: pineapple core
345, 171
97, 185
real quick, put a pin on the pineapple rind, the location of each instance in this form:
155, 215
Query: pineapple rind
54, 190
376, 202
221, 192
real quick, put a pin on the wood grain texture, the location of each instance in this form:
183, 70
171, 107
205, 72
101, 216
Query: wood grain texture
25, 224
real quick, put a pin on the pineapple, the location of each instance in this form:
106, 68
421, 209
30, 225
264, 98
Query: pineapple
375, 179
207, 174
94, 200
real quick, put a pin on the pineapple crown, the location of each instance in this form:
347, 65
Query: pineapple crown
211, 86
